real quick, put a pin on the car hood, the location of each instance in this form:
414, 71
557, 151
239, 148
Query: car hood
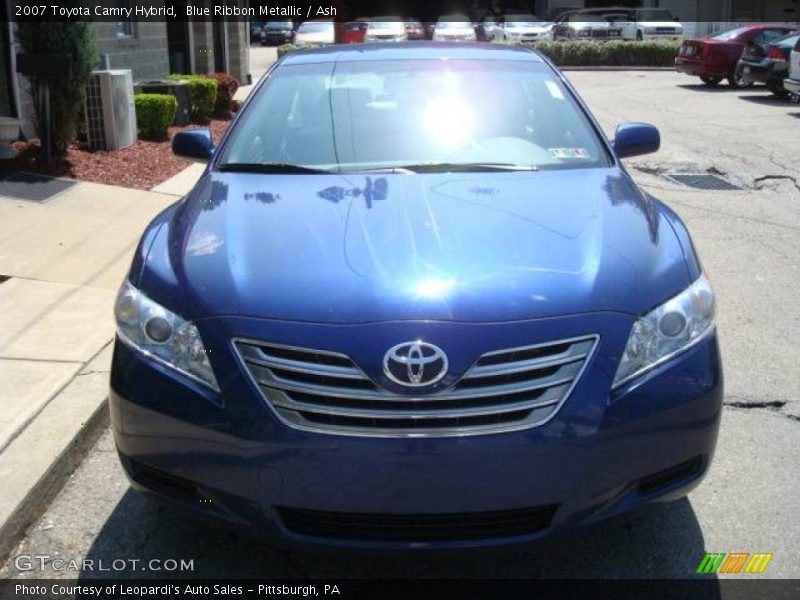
463, 247
528, 28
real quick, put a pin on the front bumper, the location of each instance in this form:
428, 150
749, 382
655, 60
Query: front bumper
229, 456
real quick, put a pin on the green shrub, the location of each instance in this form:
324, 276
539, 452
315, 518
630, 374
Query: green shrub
226, 89
202, 96
154, 114
286, 48
657, 53
75, 40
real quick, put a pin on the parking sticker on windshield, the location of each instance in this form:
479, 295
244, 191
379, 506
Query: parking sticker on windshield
569, 153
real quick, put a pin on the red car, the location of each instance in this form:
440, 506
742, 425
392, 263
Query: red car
714, 58
354, 32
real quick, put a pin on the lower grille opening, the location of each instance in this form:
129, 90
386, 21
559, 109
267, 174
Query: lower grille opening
417, 528
656, 481
164, 482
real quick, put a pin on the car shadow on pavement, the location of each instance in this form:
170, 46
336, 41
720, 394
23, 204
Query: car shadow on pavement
722, 88
660, 541
768, 99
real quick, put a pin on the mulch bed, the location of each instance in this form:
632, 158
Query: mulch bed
143, 165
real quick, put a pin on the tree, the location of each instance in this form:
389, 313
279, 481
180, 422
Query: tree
74, 40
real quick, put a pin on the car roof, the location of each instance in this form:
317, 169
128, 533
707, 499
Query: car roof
410, 50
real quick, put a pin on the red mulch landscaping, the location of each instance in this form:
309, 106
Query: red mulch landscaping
143, 165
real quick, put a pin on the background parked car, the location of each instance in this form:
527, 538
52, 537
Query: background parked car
354, 32
792, 84
415, 30
315, 32
255, 31
386, 29
583, 25
454, 28
768, 63
277, 32
714, 58
523, 28
642, 23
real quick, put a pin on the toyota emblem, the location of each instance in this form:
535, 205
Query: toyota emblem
415, 364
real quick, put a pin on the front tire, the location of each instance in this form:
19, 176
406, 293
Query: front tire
710, 81
639, 36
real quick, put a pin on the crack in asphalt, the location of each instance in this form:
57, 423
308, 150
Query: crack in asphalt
773, 406
759, 180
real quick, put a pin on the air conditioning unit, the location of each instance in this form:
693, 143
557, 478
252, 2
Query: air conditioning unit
110, 112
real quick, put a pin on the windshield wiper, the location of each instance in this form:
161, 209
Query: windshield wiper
270, 168
445, 167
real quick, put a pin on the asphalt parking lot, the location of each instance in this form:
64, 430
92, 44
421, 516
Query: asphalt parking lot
748, 503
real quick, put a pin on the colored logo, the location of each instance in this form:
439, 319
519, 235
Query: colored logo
735, 562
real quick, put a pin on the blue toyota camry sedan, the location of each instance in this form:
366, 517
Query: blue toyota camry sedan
415, 301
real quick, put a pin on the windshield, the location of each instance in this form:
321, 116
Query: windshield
397, 25
396, 113
315, 28
730, 34
454, 25
654, 15
521, 19
586, 18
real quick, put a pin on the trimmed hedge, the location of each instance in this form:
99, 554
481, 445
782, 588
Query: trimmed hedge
154, 114
286, 48
618, 53
202, 96
226, 89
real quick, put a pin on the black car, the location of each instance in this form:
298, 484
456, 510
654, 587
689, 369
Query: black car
277, 32
255, 31
768, 63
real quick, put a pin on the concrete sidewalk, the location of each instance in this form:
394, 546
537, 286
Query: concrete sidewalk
64, 260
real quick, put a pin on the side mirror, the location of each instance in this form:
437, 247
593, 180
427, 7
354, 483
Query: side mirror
635, 139
677, 19
195, 145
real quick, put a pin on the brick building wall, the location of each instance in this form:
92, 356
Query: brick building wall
145, 52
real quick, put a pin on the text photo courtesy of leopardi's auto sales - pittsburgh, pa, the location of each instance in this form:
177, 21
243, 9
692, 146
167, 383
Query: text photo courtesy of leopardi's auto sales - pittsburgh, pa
399, 299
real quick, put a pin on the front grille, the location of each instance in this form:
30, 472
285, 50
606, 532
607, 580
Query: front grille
417, 528
503, 390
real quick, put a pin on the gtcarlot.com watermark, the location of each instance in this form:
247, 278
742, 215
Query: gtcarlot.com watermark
46, 562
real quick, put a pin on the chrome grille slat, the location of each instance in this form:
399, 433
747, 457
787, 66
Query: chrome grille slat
504, 390
283, 400
254, 355
264, 377
575, 352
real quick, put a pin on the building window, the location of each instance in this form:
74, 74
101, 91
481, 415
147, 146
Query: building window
126, 27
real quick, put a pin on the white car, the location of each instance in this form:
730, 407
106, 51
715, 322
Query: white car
386, 29
792, 83
454, 28
584, 25
312, 33
643, 23
528, 29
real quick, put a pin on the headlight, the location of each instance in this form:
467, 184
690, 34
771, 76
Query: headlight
671, 328
162, 335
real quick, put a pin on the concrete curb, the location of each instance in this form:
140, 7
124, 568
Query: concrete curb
49, 484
